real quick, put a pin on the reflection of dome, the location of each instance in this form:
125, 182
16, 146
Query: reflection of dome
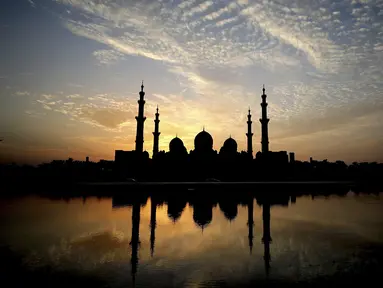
230, 145
175, 209
230, 210
176, 145
202, 215
203, 141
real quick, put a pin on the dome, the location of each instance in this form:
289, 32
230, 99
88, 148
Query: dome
176, 145
230, 145
203, 141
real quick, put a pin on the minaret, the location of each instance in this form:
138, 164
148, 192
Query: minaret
135, 241
249, 135
153, 214
156, 133
264, 121
140, 121
250, 222
266, 239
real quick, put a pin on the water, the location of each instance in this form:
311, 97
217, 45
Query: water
104, 243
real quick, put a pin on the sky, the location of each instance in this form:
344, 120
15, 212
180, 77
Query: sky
71, 70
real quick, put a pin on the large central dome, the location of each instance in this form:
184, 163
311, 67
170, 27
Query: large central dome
203, 141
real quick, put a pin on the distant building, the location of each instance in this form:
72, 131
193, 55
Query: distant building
292, 157
273, 158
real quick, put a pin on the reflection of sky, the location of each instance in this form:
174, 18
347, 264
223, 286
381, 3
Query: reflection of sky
310, 238
70, 72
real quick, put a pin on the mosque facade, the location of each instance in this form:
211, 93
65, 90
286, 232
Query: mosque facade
203, 145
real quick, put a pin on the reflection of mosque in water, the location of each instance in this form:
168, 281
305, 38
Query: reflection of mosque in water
202, 216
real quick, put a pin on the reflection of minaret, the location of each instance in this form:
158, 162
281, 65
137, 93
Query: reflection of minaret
135, 241
250, 222
266, 239
249, 135
153, 214
156, 133
264, 121
140, 121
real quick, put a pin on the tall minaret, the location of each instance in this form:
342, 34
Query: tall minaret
140, 121
266, 239
264, 121
249, 135
156, 133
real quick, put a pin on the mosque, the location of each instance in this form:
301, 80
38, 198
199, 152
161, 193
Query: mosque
203, 143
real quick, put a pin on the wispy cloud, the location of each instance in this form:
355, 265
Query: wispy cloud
105, 111
34, 113
75, 85
22, 93
47, 96
74, 96
32, 3
108, 57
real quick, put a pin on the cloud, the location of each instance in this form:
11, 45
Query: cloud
231, 34
32, 3
47, 96
105, 111
74, 96
34, 114
110, 118
108, 57
22, 93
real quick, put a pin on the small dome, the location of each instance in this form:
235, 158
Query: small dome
176, 145
203, 141
230, 145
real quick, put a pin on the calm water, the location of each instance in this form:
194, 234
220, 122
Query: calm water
180, 245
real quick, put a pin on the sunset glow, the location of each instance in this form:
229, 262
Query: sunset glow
71, 70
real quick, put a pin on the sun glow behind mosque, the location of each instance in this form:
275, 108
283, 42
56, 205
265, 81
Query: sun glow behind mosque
74, 79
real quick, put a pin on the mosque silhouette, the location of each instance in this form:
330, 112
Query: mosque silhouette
203, 162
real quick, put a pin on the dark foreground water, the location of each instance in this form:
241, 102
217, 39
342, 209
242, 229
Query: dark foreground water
120, 243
